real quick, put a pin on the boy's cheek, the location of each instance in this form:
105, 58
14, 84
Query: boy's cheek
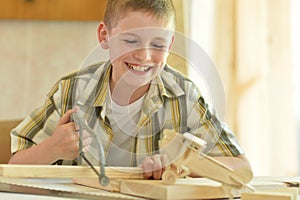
119, 52
161, 57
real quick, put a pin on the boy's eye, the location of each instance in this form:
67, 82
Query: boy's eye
130, 41
158, 46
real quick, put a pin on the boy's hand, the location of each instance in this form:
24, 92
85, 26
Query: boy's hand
64, 142
154, 166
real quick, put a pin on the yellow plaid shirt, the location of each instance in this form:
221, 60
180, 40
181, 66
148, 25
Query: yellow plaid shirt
172, 102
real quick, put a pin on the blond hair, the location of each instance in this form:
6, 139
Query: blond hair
116, 9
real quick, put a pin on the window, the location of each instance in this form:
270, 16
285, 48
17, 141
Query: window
295, 41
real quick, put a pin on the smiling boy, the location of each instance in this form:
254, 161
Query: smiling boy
128, 101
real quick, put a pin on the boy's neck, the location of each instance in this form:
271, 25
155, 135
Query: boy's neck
125, 95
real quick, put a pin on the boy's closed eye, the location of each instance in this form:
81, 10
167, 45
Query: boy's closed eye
153, 45
158, 46
130, 41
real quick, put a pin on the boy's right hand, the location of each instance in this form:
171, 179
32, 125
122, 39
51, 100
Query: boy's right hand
64, 142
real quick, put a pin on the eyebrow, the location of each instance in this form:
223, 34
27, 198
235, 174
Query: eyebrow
160, 39
129, 34
135, 35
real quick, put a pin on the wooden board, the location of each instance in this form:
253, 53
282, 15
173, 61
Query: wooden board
52, 187
190, 188
54, 171
275, 190
275, 194
292, 180
127, 181
52, 9
266, 196
183, 189
288, 181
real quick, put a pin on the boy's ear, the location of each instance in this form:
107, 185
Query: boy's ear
102, 35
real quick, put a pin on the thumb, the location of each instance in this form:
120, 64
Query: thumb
66, 117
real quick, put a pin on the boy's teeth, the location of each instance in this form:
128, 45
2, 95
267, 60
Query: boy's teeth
138, 68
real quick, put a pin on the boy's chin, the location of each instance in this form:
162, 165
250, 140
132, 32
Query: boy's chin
138, 84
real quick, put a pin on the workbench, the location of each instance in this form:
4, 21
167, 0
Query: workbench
80, 182
64, 188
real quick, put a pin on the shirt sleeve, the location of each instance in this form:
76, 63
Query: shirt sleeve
39, 125
204, 123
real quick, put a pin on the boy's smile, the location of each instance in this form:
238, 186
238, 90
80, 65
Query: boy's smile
139, 69
138, 45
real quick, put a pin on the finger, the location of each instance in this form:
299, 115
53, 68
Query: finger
69, 127
147, 166
76, 137
157, 167
66, 117
77, 127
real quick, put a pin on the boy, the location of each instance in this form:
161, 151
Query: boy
127, 101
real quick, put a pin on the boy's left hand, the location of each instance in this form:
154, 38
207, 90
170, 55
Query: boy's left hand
154, 166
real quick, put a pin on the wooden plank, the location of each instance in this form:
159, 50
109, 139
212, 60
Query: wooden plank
52, 10
191, 188
283, 179
183, 189
267, 195
275, 194
53, 171
57, 187
287, 181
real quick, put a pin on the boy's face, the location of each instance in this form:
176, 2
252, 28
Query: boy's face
138, 47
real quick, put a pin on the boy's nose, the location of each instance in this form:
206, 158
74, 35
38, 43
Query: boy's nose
143, 54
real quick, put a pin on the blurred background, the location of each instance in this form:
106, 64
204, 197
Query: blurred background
254, 45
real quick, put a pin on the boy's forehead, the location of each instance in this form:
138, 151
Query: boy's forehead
141, 20
148, 32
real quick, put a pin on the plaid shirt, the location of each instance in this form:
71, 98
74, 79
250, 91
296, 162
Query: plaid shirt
172, 102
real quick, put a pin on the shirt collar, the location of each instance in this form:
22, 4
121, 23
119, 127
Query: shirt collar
167, 84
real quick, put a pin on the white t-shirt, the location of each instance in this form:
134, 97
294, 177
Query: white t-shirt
123, 121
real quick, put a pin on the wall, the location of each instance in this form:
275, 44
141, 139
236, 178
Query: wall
250, 45
33, 55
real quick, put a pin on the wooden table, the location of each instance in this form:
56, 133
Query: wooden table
22, 187
34, 180
57, 189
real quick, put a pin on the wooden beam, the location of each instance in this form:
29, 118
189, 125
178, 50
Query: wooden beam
54, 171
52, 10
274, 194
267, 195
188, 188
